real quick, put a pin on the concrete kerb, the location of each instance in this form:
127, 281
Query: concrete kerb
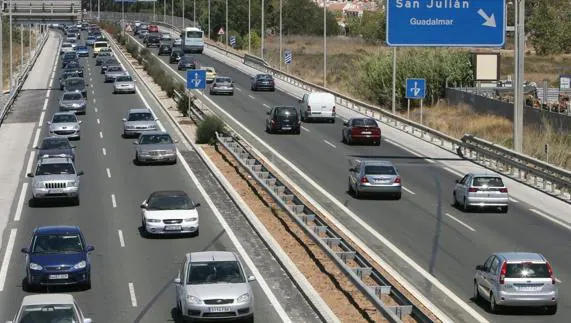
312, 296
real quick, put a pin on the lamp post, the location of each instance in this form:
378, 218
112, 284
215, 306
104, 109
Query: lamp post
182, 14
209, 19
519, 75
194, 13
227, 31
172, 12
262, 40
324, 43
10, 39
281, 27
249, 26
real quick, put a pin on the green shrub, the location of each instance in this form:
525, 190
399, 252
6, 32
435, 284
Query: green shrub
132, 49
207, 128
182, 105
145, 52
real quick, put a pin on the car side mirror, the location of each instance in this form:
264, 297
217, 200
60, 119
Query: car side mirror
176, 141
457, 181
73, 146
176, 281
156, 119
481, 268
49, 122
80, 173
197, 204
80, 122
124, 120
36, 147
90, 248
300, 100
30, 175
251, 278
351, 169
346, 124
135, 142
143, 205
268, 112
25, 250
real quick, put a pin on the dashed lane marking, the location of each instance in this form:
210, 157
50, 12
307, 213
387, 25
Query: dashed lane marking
460, 222
21, 202
113, 200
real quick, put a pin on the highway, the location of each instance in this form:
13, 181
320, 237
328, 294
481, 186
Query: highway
132, 276
467, 239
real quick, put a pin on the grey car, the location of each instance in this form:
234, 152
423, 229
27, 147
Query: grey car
56, 147
155, 147
65, 124
113, 72
75, 84
213, 285
102, 57
222, 85
124, 84
110, 61
55, 178
138, 121
481, 190
74, 102
374, 176
516, 279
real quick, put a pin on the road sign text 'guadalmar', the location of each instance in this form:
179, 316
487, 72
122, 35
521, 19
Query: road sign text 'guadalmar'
446, 23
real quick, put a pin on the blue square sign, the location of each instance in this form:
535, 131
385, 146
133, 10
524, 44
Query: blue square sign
195, 79
415, 89
446, 23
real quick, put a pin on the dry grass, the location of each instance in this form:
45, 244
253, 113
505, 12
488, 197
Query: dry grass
16, 59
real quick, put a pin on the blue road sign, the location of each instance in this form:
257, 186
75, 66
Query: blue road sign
446, 23
415, 89
287, 56
232, 41
196, 79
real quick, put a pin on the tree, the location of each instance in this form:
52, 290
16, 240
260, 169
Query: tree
549, 27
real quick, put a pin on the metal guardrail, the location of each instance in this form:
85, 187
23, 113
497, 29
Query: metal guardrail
23, 75
363, 275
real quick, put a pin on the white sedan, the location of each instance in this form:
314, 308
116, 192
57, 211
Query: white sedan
50, 308
169, 212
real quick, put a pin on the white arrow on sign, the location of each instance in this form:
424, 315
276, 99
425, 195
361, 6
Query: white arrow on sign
196, 80
415, 90
490, 21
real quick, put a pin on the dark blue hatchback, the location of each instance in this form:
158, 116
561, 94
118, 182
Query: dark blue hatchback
58, 255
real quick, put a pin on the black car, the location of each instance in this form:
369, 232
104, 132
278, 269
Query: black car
69, 57
102, 57
187, 63
75, 84
152, 39
107, 63
283, 119
56, 147
165, 49
74, 64
68, 74
175, 56
263, 82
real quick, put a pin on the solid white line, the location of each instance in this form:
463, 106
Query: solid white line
94, 109
552, 219
94, 100
455, 172
100, 134
304, 128
513, 200
460, 222
45, 107
41, 121
113, 200
104, 151
108, 172
30, 162
408, 150
239, 89
330, 144
98, 121
408, 190
132, 294
251, 97
121, 239
266, 106
36, 138
7, 255
21, 201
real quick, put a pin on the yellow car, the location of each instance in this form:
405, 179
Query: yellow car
210, 74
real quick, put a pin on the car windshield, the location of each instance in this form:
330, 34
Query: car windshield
140, 116
286, 112
209, 70
57, 243
72, 96
364, 122
155, 139
165, 202
380, 170
114, 69
265, 77
104, 53
527, 270
75, 82
48, 313
91, 38
55, 143
82, 48
55, 169
66, 45
488, 182
64, 118
124, 78
69, 56
215, 272
223, 80
186, 59
110, 61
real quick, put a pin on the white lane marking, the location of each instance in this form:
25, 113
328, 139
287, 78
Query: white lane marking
30, 162
237, 88
121, 239
45, 107
513, 200
557, 280
304, 128
460, 222
93, 92
100, 134
104, 151
91, 80
94, 100
36, 138
251, 97
330, 144
21, 201
132, 294
408, 150
455, 172
554, 220
42, 116
98, 121
113, 200
266, 106
408, 190
7, 255
94, 109
108, 172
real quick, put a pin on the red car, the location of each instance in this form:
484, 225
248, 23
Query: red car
153, 28
361, 130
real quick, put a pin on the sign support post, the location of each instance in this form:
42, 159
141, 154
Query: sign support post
416, 90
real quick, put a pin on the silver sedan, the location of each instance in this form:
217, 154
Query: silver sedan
73, 101
124, 84
155, 147
481, 190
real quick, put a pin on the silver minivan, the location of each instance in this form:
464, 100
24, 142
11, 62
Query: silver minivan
374, 176
481, 190
516, 279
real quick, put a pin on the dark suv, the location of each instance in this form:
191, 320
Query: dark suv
175, 56
152, 39
165, 49
283, 119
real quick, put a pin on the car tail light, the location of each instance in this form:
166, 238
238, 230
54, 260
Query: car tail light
273, 123
397, 180
503, 272
550, 271
364, 180
333, 110
472, 189
308, 109
503, 190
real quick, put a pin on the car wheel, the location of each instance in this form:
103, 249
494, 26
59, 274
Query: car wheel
349, 187
27, 287
377, 143
551, 310
297, 132
477, 296
465, 206
397, 196
87, 285
249, 319
76, 201
456, 204
232, 93
174, 161
504, 209
343, 140
349, 140
356, 193
196, 233
332, 120
494, 307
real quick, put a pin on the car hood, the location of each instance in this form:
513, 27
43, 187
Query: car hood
114, 73
214, 291
152, 147
72, 102
55, 152
75, 88
69, 259
55, 178
170, 214
140, 123
64, 126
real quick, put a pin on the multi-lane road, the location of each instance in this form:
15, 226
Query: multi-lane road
131, 276
466, 238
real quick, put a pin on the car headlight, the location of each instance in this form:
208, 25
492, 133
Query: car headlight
34, 266
76, 127
243, 298
130, 127
193, 299
191, 219
37, 184
153, 220
76, 105
80, 265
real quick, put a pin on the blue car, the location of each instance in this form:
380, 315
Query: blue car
90, 40
82, 51
58, 255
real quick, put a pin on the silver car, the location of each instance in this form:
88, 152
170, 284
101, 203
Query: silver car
47, 307
155, 147
375, 177
481, 190
113, 72
55, 178
516, 279
124, 84
65, 124
177, 42
213, 285
222, 85
73, 101
138, 121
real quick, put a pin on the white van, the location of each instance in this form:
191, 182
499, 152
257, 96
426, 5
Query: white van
318, 106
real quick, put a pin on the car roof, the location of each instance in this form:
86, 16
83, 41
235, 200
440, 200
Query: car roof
484, 175
75, 78
517, 256
55, 160
169, 193
71, 92
377, 162
55, 229
43, 299
64, 112
55, 139
139, 110
209, 256
155, 133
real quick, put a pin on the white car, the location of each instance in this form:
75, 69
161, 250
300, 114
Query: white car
169, 212
50, 308
177, 42
166, 36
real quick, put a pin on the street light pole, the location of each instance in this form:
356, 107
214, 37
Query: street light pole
172, 12
324, 43
519, 75
194, 13
227, 31
209, 19
10, 39
281, 27
249, 26
154, 11
394, 80
1, 57
262, 38
98, 9
183, 14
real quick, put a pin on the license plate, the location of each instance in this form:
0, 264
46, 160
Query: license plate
62, 276
56, 191
286, 128
529, 289
366, 132
383, 181
219, 309
173, 228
